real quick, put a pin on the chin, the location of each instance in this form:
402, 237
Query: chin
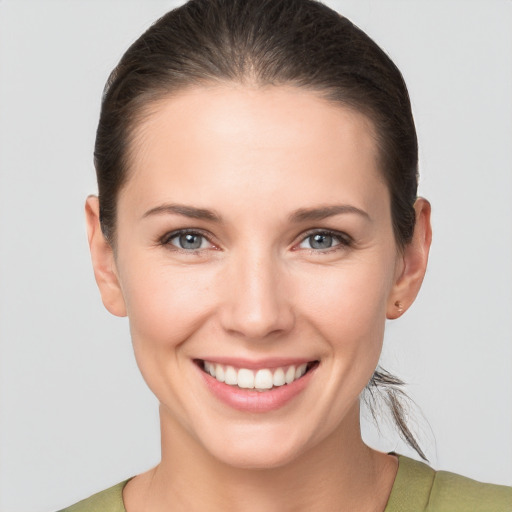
257, 457
252, 449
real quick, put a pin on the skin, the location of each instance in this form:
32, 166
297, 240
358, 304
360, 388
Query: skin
256, 288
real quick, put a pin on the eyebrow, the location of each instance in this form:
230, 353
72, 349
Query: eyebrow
323, 212
300, 215
185, 211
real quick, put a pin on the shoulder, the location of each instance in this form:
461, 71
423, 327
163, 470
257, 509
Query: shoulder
418, 487
450, 490
109, 500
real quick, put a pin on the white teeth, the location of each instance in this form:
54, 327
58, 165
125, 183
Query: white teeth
300, 371
260, 380
209, 368
278, 378
245, 378
219, 373
230, 376
290, 375
263, 379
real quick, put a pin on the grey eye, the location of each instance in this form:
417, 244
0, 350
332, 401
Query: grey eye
189, 241
322, 241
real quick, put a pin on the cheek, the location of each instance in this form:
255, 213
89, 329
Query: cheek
166, 308
165, 305
347, 305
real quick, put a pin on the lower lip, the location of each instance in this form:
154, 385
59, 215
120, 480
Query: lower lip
249, 400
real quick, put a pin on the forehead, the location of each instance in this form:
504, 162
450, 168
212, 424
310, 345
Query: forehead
267, 140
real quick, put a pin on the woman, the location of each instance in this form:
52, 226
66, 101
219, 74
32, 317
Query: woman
258, 222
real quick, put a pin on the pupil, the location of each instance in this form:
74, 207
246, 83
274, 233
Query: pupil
321, 241
190, 241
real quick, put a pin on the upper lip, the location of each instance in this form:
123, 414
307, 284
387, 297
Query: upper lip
255, 364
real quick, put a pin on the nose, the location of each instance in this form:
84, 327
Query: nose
256, 305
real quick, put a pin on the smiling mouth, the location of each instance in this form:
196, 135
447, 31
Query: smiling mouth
263, 379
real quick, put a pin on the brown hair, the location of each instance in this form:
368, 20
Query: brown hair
301, 43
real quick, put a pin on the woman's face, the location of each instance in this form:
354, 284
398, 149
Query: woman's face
254, 239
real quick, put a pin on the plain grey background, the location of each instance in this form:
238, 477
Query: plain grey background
75, 416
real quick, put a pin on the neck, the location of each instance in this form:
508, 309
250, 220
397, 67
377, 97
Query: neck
340, 473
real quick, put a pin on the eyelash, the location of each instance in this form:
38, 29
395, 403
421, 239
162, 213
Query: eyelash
344, 240
166, 240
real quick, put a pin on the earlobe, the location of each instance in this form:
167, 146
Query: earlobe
413, 264
103, 261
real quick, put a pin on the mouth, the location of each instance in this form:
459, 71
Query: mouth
260, 379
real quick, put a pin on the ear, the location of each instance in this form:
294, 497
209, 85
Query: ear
103, 260
413, 263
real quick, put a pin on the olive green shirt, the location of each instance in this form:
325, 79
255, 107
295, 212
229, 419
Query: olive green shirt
417, 488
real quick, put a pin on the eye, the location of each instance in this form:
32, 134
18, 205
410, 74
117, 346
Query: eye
187, 240
324, 240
